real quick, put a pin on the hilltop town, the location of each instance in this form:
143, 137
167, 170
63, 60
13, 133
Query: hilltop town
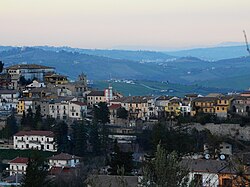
95, 137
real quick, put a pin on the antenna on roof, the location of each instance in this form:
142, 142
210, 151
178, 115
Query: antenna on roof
245, 36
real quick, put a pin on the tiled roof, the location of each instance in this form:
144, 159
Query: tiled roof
205, 99
79, 103
114, 106
8, 91
19, 160
96, 93
35, 133
29, 66
63, 156
60, 170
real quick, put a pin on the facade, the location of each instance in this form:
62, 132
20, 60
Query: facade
241, 105
28, 71
24, 104
67, 108
64, 160
113, 113
223, 106
203, 104
9, 99
56, 79
18, 165
40, 140
95, 97
173, 107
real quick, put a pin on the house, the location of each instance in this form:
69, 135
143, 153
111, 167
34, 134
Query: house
25, 103
35, 84
203, 104
55, 79
137, 107
9, 99
77, 110
241, 105
174, 107
95, 97
222, 106
113, 113
5, 81
63, 160
185, 106
217, 172
40, 140
59, 107
18, 165
27, 71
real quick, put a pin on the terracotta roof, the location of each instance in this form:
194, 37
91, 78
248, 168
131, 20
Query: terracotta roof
29, 66
20, 160
35, 133
60, 170
114, 106
63, 156
79, 103
96, 93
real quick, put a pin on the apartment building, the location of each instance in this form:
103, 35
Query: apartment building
40, 140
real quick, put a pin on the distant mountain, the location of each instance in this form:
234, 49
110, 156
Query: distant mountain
183, 70
148, 56
212, 54
73, 63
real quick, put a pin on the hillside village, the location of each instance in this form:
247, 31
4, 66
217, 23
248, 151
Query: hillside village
70, 124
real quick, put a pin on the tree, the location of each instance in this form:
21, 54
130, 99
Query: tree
38, 118
120, 160
94, 139
61, 135
164, 170
1, 66
11, 127
101, 116
30, 120
23, 120
79, 138
122, 113
101, 113
36, 172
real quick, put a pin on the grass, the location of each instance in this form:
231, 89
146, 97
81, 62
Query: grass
155, 88
9, 154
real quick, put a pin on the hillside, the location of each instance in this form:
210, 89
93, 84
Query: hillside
129, 87
213, 53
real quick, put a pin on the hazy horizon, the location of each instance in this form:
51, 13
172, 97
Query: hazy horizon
120, 24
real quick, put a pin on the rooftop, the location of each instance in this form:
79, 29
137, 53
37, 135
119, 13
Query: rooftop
35, 133
96, 93
79, 103
63, 156
19, 160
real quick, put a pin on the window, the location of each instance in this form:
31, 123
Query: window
73, 114
198, 180
47, 146
223, 108
76, 114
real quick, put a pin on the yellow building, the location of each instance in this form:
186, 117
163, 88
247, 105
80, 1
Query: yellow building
24, 104
203, 104
223, 106
173, 107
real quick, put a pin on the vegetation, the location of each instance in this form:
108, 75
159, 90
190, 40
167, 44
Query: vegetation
164, 170
36, 172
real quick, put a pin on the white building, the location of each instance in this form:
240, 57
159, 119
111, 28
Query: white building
18, 165
204, 172
67, 108
40, 140
8, 99
36, 84
63, 160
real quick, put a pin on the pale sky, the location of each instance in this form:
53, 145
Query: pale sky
123, 23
